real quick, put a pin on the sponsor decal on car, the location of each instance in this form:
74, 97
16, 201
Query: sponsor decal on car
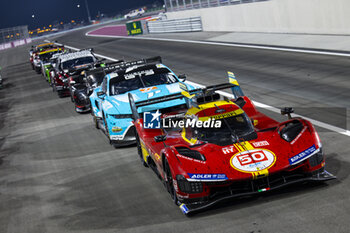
151, 94
139, 73
184, 208
228, 150
207, 177
227, 114
240, 147
190, 159
75, 55
116, 129
251, 161
303, 155
143, 90
261, 143
299, 135
116, 137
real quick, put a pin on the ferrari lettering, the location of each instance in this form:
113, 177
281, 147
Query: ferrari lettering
261, 143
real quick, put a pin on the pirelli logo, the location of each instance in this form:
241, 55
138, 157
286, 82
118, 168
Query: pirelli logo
227, 114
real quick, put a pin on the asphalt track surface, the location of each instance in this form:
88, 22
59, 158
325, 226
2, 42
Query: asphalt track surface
59, 174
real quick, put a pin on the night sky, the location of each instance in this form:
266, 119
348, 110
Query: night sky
19, 12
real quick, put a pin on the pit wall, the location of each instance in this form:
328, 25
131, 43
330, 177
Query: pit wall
276, 16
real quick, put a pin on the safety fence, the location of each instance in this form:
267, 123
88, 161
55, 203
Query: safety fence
13, 37
193, 24
179, 5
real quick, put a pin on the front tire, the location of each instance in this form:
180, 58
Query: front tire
169, 181
139, 150
107, 130
95, 122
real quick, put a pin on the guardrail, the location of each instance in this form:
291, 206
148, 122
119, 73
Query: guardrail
15, 43
193, 24
179, 5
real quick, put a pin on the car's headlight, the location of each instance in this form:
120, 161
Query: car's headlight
116, 129
317, 158
186, 186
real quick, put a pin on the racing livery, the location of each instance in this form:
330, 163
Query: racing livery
35, 49
144, 79
41, 60
224, 148
70, 64
49, 66
82, 85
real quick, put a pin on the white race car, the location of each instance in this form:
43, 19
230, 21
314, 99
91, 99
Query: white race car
134, 13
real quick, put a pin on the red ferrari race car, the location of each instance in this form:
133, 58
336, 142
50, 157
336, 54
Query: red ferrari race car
218, 148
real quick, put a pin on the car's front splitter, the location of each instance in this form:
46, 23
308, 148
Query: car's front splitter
190, 208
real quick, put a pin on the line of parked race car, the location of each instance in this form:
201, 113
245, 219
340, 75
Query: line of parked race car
240, 152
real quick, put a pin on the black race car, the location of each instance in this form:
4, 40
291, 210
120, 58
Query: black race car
83, 83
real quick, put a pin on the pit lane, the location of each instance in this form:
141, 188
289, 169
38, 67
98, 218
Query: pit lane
59, 174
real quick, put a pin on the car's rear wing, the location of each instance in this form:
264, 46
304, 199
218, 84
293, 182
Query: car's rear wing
104, 68
124, 65
192, 97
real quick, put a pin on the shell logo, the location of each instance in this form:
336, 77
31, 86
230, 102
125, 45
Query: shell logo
253, 160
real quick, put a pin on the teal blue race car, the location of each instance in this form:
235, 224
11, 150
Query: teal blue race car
143, 79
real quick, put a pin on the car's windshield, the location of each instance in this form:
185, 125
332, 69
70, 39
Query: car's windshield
77, 62
46, 56
239, 125
95, 79
141, 79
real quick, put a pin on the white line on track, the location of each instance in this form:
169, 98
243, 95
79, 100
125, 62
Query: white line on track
229, 44
257, 104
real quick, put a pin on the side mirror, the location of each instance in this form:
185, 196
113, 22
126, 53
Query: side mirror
240, 102
160, 138
182, 77
100, 94
287, 111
